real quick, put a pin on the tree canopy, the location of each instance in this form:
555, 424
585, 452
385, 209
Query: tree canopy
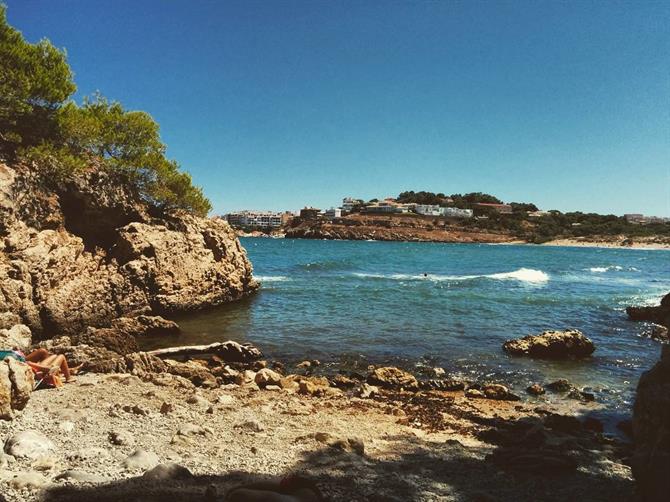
38, 122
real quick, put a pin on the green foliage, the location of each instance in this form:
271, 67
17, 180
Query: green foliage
470, 199
422, 197
522, 207
38, 125
35, 79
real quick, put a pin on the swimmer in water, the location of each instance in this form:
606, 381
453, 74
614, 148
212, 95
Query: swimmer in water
425, 274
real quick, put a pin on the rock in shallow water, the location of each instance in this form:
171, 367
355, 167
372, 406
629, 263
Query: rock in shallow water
552, 345
392, 378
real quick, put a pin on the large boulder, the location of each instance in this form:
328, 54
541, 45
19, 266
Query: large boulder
391, 377
552, 345
16, 383
89, 250
651, 431
659, 314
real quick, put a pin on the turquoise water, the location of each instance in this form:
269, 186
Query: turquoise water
352, 303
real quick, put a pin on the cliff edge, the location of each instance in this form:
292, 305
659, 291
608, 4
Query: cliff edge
83, 250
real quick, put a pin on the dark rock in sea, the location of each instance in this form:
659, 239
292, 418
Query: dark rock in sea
658, 332
561, 385
658, 315
85, 252
581, 395
552, 345
651, 431
446, 385
391, 377
535, 390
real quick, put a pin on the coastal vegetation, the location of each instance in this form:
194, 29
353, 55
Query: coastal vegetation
41, 124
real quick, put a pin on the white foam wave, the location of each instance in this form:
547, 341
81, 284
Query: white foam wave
601, 270
527, 275
272, 278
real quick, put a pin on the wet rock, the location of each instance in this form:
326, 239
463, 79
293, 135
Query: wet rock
658, 315
266, 377
651, 430
18, 336
658, 332
393, 378
552, 345
579, 395
145, 325
561, 385
168, 472
29, 444
535, 390
498, 392
445, 385
140, 459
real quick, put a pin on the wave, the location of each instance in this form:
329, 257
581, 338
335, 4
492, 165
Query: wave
272, 278
527, 275
600, 270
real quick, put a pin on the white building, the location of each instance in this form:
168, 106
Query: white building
349, 203
261, 219
455, 212
332, 213
428, 209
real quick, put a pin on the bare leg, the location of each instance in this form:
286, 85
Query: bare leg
59, 361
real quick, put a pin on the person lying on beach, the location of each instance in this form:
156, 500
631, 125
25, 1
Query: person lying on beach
289, 489
51, 364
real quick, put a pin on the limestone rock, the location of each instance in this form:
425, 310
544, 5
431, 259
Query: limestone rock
18, 336
111, 339
86, 250
145, 325
651, 431
266, 377
392, 378
196, 373
16, 384
552, 345
140, 459
23, 382
29, 444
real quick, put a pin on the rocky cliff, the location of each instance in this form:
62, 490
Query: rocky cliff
83, 251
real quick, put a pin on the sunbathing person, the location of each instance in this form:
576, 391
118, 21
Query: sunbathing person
41, 359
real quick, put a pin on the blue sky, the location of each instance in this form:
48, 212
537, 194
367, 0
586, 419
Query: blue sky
276, 104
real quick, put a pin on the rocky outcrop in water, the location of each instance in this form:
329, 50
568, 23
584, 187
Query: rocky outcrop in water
659, 314
88, 250
551, 345
651, 431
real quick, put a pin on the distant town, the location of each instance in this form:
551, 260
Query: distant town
446, 208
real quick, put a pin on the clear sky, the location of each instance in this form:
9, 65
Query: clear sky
277, 104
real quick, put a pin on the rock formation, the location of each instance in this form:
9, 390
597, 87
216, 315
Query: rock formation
659, 314
88, 250
651, 431
551, 345
16, 384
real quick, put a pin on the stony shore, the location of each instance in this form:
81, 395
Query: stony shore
104, 434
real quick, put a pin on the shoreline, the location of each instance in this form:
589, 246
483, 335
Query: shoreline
417, 445
575, 243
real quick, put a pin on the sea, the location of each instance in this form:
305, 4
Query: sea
421, 305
